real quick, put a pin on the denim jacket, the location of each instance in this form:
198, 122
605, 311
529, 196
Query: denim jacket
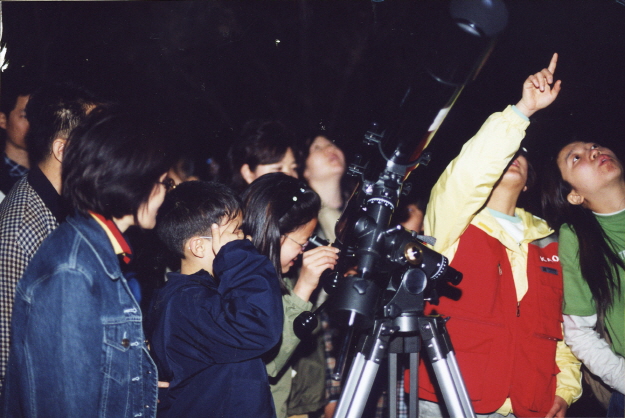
77, 348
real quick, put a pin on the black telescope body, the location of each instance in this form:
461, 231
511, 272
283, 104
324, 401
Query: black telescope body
455, 54
385, 273
382, 255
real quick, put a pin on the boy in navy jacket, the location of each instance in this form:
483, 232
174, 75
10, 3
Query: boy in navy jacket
214, 320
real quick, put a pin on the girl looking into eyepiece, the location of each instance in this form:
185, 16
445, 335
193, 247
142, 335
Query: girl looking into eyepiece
280, 214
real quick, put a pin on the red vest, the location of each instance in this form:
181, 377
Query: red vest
504, 349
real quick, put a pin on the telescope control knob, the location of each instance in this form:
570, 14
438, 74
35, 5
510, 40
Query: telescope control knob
304, 324
413, 254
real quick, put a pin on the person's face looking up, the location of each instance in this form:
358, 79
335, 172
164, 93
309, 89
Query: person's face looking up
517, 171
292, 243
514, 179
588, 167
324, 159
287, 165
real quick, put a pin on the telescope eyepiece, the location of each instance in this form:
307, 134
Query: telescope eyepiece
315, 241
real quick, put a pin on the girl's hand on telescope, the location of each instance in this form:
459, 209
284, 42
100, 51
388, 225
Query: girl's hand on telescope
314, 262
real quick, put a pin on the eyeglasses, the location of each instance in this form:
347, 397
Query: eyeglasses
169, 184
301, 245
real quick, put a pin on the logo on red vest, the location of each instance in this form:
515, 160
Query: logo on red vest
552, 259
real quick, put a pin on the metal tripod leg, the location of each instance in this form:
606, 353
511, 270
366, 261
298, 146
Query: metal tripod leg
392, 385
366, 363
363, 371
441, 355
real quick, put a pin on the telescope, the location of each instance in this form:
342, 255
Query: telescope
386, 274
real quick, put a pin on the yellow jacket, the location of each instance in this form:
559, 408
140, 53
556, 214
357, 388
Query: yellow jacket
458, 199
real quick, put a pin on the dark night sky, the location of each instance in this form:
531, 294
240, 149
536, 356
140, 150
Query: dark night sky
207, 67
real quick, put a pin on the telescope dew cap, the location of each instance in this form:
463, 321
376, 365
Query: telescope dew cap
487, 16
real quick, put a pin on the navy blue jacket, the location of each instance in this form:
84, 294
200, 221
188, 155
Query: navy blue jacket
209, 334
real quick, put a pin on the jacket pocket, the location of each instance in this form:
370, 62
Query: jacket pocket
550, 305
118, 338
542, 372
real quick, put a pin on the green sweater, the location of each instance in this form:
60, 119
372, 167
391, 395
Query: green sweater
278, 366
577, 297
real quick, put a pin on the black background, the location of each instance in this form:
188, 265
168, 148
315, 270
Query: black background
204, 68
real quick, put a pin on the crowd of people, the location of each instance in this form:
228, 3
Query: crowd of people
206, 330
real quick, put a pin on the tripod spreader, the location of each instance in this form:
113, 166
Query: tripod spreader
374, 348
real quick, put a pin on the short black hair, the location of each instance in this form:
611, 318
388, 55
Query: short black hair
260, 142
191, 208
52, 112
13, 87
112, 162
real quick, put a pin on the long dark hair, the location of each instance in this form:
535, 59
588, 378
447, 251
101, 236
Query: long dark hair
597, 255
276, 204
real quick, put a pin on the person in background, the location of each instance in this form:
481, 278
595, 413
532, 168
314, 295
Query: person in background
280, 214
215, 318
411, 212
151, 261
584, 194
14, 164
77, 341
314, 359
324, 171
507, 323
264, 146
183, 170
34, 207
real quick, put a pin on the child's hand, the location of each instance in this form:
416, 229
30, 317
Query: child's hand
537, 92
314, 262
223, 234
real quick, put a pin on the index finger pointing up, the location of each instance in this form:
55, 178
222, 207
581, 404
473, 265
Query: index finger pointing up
552, 64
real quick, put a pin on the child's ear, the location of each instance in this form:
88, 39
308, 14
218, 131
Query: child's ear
198, 247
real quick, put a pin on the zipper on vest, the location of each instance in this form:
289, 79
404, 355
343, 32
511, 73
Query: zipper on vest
518, 309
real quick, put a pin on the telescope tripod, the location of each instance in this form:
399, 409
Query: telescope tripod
405, 334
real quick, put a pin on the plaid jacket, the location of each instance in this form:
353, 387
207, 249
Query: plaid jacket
25, 221
10, 173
